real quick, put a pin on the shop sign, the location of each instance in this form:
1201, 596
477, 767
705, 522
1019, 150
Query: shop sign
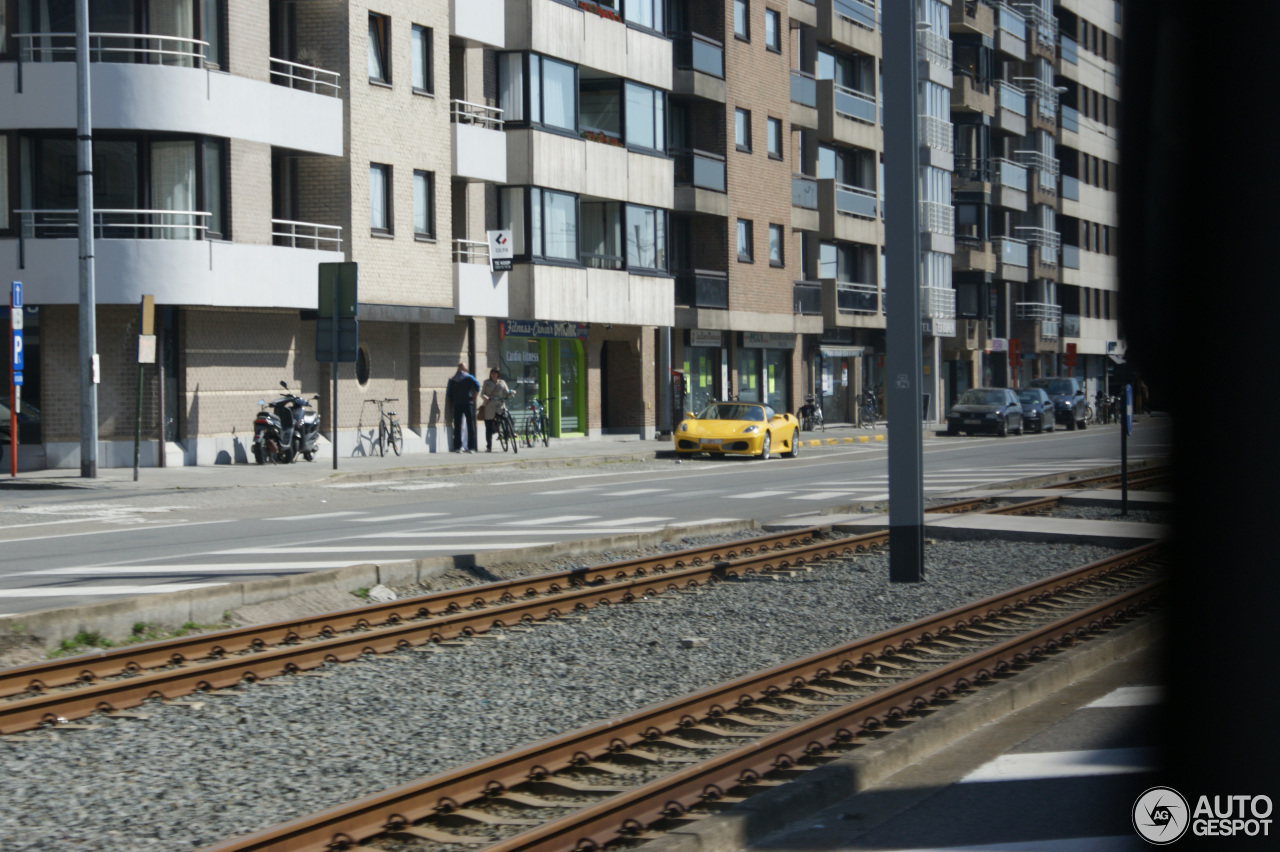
500, 251
937, 327
768, 340
536, 328
701, 337
999, 344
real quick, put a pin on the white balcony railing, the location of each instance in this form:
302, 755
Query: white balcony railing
1042, 237
113, 47
1046, 96
1010, 251
1010, 20
115, 224
481, 115
1038, 161
937, 134
938, 302
1012, 98
1039, 311
308, 235
937, 218
1044, 23
934, 48
307, 78
471, 251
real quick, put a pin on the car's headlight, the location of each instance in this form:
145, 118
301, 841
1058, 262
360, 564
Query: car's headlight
992, 415
751, 430
684, 427
1066, 403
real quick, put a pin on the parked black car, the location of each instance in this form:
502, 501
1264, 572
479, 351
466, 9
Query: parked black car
1037, 409
1069, 402
986, 410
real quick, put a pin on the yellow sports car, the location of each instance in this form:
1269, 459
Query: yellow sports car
748, 428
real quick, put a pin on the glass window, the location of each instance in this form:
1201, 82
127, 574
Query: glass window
4, 160
744, 240
602, 234
173, 187
212, 15
424, 204
380, 198
775, 245
421, 58
600, 107
646, 117
559, 87
214, 190
511, 86
742, 129
560, 225
774, 126
379, 58
646, 13
646, 238
772, 30
511, 213
741, 23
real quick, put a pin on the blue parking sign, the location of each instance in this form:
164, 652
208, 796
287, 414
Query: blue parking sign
18, 366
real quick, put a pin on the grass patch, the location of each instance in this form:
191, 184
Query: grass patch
142, 632
362, 593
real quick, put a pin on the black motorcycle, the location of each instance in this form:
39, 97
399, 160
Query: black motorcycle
811, 414
285, 429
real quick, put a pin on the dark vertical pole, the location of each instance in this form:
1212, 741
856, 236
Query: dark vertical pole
903, 335
160, 401
1125, 420
88, 297
334, 366
137, 425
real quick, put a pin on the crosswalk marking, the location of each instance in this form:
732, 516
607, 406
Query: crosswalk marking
754, 494
626, 522
1130, 696
317, 517
202, 568
560, 519
1065, 764
411, 517
86, 591
635, 492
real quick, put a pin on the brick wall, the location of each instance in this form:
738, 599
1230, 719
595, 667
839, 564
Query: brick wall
248, 38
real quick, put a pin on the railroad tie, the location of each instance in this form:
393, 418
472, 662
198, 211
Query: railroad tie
534, 801
582, 787
435, 835
492, 819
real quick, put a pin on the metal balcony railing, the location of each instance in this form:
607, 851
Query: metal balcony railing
113, 47
1038, 160
1043, 23
934, 48
855, 201
1008, 173
854, 104
308, 78
285, 232
471, 251
1049, 329
1045, 95
1011, 98
1009, 250
936, 133
702, 288
804, 88
859, 12
115, 224
937, 218
806, 298
938, 302
1010, 21
1042, 237
972, 170
1039, 311
481, 115
857, 298
804, 192
699, 168
696, 51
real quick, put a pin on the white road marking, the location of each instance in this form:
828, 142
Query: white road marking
89, 591
559, 519
1065, 764
826, 495
425, 486
626, 521
314, 517
754, 494
205, 568
578, 490
1130, 696
635, 492
381, 518
133, 530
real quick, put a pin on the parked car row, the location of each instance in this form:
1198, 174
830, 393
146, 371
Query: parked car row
1042, 406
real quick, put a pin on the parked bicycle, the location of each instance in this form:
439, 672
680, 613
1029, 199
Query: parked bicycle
506, 430
870, 409
536, 425
811, 414
389, 432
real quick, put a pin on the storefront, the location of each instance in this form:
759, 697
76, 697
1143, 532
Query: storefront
764, 368
835, 371
704, 360
546, 361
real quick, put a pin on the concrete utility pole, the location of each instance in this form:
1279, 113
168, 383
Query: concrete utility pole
902, 268
88, 325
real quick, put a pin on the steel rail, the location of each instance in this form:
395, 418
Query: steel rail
349, 824
132, 659
1148, 473
220, 672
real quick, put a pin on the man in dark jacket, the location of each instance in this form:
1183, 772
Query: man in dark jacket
461, 392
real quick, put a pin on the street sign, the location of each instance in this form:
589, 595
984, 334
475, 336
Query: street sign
348, 340
1128, 409
348, 277
1070, 360
15, 294
17, 379
500, 251
18, 365
1015, 352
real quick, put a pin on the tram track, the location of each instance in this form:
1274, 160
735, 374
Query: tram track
723, 742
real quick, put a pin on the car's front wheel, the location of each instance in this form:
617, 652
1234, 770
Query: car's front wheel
764, 447
795, 445
1002, 431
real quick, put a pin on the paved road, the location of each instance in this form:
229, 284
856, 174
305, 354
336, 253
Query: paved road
188, 528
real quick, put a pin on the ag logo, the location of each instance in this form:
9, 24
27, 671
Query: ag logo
1161, 816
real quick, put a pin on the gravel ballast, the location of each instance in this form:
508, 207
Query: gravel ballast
246, 758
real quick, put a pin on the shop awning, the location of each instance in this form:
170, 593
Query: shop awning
843, 351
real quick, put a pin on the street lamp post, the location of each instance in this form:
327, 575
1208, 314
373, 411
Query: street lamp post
84, 186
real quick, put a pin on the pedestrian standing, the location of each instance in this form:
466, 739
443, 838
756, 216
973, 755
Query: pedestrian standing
461, 393
495, 391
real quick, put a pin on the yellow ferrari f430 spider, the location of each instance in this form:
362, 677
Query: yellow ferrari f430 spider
740, 428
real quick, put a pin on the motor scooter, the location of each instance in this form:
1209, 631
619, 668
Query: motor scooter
285, 429
811, 414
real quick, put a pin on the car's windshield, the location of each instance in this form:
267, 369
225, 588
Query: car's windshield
1056, 385
732, 411
1029, 395
982, 397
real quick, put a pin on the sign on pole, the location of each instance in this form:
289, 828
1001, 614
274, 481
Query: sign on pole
337, 330
500, 251
15, 370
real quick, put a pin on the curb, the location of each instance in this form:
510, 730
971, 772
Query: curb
831, 442
776, 808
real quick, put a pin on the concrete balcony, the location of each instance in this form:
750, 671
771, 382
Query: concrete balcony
1045, 263
1011, 258
973, 254
176, 99
804, 203
1011, 32
479, 145
851, 305
700, 182
967, 95
575, 294
804, 100
538, 158
1009, 184
971, 16
848, 117
478, 22
478, 292
1011, 109
699, 67
158, 253
588, 39
803, 13
849, 213
853, 24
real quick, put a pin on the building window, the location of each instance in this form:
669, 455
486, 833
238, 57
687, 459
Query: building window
774, 127
646, 238
5, 203
744, 241
775, 245
212, 15
742, 129
539, 90
645, 13
424, 205
741, 20
773, 30
543, 223
379, 56
602, 229
646, 117
420, 38
380, 198
213, 189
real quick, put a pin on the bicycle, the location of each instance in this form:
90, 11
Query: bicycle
535, 425
507, 430
811, 414
388, 427
870, 410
